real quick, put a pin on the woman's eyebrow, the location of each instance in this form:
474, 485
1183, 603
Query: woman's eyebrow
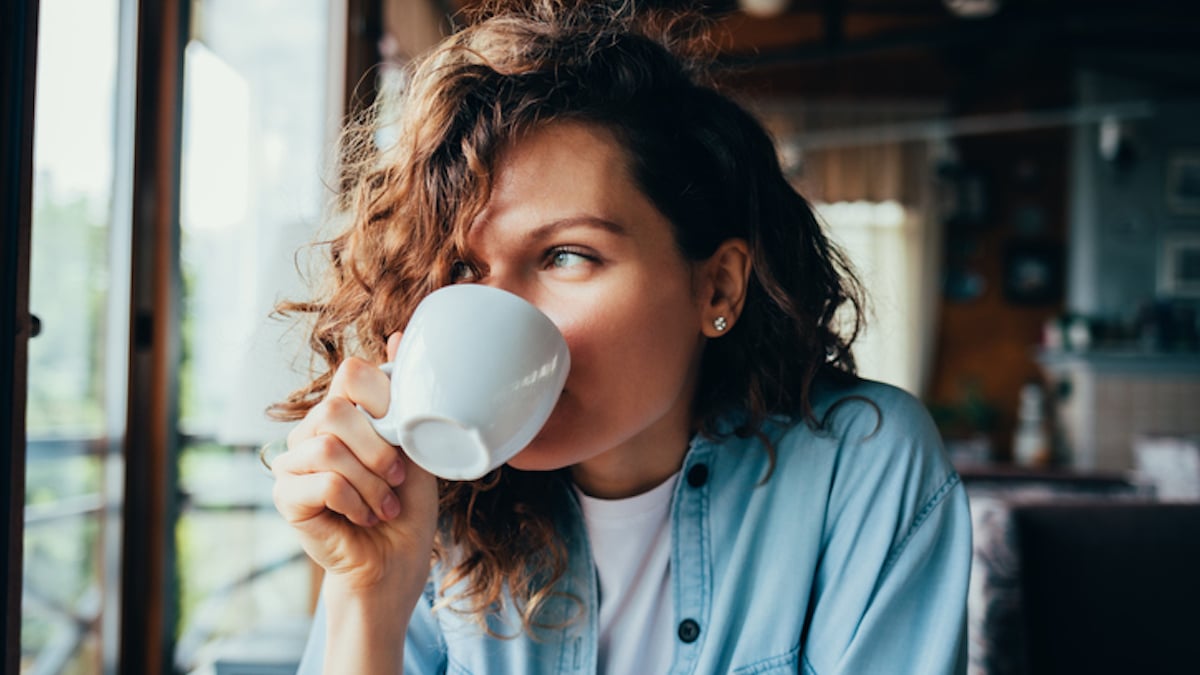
551, 228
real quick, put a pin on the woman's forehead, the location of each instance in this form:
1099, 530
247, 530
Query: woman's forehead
589, 141
563, 170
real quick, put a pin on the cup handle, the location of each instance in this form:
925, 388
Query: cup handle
382, 427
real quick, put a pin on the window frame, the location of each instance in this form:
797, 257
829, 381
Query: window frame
150, 439
149, 506
18, 65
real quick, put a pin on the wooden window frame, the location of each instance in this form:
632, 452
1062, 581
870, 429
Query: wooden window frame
18, 67
148, 608
147, 602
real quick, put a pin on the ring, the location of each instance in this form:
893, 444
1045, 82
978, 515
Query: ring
270, 451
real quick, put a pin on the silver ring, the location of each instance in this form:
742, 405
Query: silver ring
270, 451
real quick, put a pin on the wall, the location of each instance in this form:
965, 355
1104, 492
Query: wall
1108, 219
987, 343
1118, 214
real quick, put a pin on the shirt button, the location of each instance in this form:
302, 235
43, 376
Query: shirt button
697, 475
689, 630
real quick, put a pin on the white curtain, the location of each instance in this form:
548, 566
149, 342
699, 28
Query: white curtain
874, 191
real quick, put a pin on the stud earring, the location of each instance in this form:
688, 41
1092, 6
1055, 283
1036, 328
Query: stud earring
720, 323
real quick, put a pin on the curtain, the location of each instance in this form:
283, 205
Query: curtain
870, 168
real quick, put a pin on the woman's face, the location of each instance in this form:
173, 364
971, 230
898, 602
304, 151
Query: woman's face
567, 229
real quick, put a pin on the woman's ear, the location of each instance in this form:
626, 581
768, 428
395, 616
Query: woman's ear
726, 276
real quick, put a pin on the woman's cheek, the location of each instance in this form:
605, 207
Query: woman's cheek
581, 336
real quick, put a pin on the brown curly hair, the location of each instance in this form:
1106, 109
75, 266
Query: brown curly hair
706, 164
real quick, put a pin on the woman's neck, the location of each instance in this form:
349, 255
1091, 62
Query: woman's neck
638, 465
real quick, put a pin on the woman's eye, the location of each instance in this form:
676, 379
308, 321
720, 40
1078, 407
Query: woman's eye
461, 271
566, 259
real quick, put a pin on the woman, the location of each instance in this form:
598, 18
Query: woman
715, 491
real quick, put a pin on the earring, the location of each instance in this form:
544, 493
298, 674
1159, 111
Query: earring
720, 323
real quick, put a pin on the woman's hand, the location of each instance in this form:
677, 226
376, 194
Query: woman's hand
365, 513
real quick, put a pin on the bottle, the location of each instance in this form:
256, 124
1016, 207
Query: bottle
1031, 442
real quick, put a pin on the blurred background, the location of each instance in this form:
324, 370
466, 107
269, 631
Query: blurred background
1017, 181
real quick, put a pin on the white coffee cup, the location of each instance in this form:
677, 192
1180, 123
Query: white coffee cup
476, 375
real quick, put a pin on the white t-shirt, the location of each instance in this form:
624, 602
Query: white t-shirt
631, 545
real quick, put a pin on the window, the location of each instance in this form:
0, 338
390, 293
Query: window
75, 412
883, 242
865, 168
262, 99
257, 125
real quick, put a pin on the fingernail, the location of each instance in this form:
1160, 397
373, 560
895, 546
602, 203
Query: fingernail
391, 506
395, 474
372, 520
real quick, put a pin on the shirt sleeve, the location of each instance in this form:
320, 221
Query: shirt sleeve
314, 649
424, 649
890, 593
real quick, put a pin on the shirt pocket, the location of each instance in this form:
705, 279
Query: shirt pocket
788, 662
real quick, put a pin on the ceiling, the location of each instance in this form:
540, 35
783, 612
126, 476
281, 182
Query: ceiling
889, 47
923, 49
825, 29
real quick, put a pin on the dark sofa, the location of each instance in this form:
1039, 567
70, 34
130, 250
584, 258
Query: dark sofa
1110, 587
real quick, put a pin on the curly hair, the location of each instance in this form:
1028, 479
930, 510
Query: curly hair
703, 161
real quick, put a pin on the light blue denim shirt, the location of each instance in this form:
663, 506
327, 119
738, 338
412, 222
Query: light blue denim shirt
852, 557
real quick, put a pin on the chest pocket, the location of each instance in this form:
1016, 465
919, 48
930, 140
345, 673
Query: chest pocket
775, 665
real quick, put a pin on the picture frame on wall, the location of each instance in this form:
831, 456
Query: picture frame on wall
1183, 183
1179, 266
1033, 272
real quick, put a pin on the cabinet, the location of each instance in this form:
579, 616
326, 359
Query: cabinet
1104, 400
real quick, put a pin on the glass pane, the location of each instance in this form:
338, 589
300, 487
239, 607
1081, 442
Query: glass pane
68, 534
72, 196
255, 106
256, 128
879, 238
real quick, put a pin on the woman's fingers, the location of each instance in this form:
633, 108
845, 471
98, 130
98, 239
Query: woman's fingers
363, 383
337, 485
335, 458
302, 497
340, 417
329, 454
356, 383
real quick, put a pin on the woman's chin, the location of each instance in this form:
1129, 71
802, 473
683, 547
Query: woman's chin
543, 454
562, 442
533, 458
